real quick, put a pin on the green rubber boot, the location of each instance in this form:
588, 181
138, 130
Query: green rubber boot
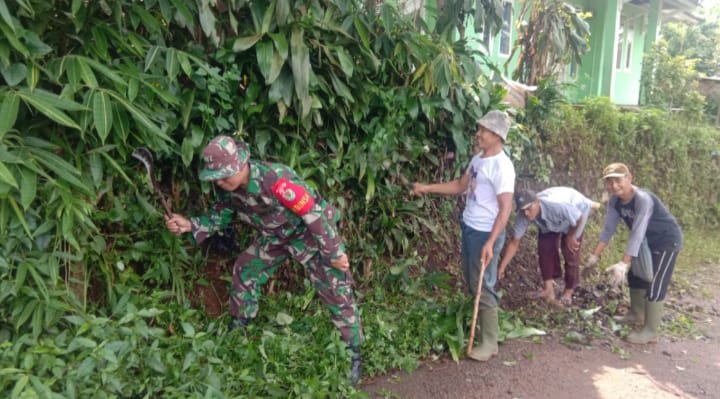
649, 332
636, 315
488, 347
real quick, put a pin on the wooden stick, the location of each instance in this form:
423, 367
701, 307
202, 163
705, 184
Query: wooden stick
475, 309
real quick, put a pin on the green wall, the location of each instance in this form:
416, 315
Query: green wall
626, 88
596, 72
493, 46
587, 80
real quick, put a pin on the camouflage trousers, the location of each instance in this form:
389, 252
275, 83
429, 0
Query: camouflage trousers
257, 263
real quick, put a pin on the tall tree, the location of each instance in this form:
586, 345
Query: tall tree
699, 42
452, 16
553, 34
671, 82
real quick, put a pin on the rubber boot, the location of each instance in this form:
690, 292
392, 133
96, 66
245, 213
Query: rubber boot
355, 366
488, 347
636, 315
649, 332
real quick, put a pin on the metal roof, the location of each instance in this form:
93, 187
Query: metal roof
673, 10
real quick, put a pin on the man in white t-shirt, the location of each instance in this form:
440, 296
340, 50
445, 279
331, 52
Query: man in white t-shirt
489, 183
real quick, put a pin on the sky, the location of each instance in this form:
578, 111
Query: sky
707, 4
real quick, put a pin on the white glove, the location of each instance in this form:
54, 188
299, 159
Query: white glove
617, 274
592, 261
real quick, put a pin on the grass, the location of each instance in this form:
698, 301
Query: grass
700, 250
694, 281
695, 270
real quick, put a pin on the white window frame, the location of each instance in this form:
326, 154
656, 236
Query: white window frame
487, 39
628, 48
506, 29
619, 50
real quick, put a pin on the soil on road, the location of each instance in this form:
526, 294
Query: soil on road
548, 367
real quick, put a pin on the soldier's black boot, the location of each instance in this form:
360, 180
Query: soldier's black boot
355, 366
238, 323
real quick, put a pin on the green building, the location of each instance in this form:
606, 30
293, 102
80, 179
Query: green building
621, 31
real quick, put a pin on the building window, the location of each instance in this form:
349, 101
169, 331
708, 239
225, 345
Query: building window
569, 72
628, 49
572, 70
506, 31
619, 51
487, 39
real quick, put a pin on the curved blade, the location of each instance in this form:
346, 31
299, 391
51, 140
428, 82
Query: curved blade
145, 156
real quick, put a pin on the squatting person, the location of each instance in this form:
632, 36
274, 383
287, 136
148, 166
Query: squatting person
293, 221
489, 182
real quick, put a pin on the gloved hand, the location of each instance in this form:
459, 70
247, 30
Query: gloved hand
590, 266
592, 261
617, 274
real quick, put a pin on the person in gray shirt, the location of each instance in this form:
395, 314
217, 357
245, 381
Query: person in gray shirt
651, 226
560, 214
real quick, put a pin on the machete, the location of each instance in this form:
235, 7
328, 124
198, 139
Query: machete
145, 156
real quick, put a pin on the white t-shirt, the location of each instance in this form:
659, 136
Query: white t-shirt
489, 177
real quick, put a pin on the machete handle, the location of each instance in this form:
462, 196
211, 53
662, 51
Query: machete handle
405, 182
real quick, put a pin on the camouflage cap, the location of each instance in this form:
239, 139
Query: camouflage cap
497, 122
223, 158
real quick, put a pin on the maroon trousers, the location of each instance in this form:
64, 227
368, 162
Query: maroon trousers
549, 247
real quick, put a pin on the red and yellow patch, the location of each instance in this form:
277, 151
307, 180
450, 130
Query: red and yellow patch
293, 196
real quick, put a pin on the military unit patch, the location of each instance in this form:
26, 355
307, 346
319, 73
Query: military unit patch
293, 196
289, 195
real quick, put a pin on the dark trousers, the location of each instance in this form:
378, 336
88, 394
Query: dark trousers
663, 267
549, 247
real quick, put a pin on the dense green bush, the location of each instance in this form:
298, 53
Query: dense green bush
348, 97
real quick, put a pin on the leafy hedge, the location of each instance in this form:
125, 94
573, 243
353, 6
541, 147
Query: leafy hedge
666, 154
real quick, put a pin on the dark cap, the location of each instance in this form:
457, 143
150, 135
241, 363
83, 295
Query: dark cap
524, 198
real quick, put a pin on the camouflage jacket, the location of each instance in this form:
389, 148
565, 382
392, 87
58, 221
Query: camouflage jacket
279, 204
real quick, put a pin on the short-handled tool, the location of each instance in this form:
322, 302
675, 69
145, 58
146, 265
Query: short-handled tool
145, 156
475, 309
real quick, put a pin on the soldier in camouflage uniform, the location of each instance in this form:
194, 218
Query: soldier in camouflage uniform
293, 221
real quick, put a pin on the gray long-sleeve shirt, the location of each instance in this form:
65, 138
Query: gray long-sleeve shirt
646, 216
560, 209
